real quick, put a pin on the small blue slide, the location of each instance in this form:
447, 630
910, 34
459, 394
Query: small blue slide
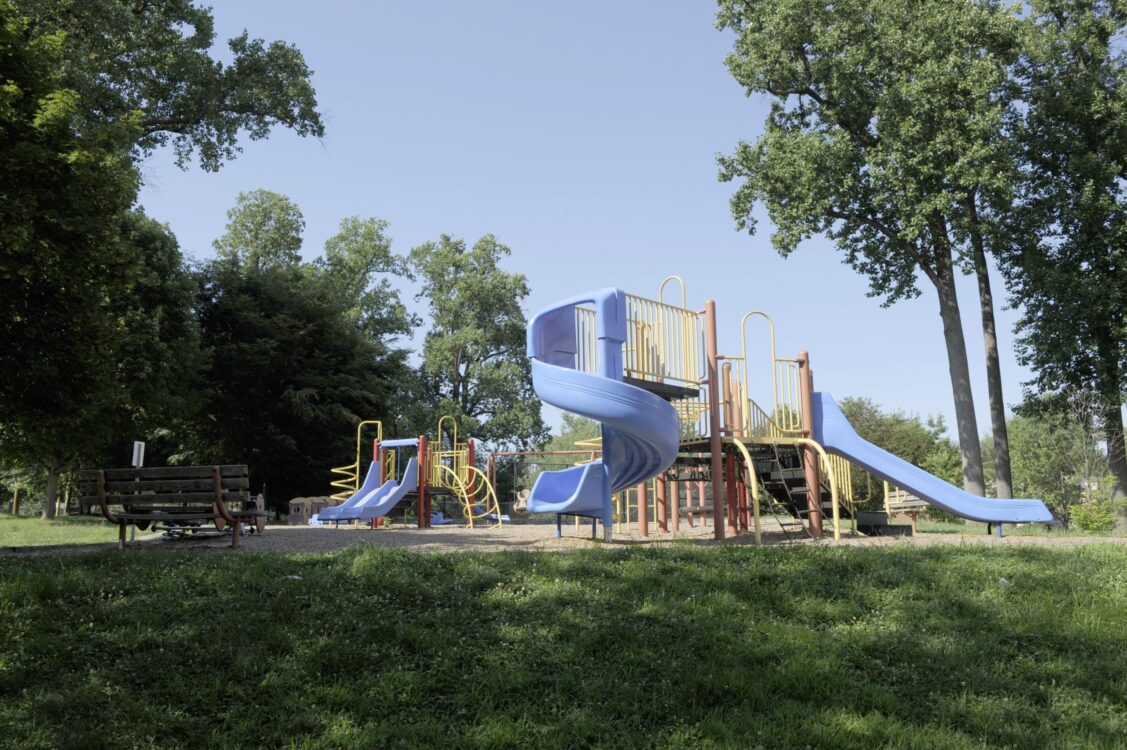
833, 431
641, 431
386, 497
371, 484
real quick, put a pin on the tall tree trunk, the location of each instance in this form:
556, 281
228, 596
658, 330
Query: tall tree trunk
52, 495
1003, 479
966, 422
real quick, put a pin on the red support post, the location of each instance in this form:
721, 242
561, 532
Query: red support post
715, 440
730, 480
810, 456
675, 502
661, 504
741, 489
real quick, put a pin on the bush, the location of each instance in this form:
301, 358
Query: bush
1095, 517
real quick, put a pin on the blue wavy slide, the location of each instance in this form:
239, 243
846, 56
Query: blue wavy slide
836, 435
641, 431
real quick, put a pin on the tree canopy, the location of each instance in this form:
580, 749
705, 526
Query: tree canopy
1067, 266
144, 78
882, 135
474, 361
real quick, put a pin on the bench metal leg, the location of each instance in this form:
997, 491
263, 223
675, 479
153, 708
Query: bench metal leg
121, 536
237, 532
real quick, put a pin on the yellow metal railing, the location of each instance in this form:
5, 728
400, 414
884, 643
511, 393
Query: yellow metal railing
349, 480
785, 378
842, 472
664, 343
474, 492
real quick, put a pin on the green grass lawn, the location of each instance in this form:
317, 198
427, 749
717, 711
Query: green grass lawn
940, 647
29, 531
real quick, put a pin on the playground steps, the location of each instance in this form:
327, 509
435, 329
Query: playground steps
782, 473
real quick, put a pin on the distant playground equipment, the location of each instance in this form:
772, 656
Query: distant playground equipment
412, 469
677, 417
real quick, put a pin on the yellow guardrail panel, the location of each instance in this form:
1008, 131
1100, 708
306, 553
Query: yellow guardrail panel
664, 343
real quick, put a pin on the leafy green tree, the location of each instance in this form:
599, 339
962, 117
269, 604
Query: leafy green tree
299, 351
86, 89
289, 378
1067, 271
264, 231
144, 77
574, 429
884, 135
358, 266
474, 362
60, 198
1047, 460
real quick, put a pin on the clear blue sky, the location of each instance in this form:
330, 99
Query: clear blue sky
584, 135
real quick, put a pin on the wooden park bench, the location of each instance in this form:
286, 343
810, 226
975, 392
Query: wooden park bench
176, 498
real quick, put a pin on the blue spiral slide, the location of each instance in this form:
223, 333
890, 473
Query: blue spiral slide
641, 431
836, 435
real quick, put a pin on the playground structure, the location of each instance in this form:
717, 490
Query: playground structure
415, 470
678, 416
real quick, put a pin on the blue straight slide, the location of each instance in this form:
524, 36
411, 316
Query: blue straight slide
370, 485
386, 497
833, 431
641, 431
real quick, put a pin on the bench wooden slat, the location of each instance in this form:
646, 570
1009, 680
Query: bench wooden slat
166, 516
165, 472
164, 485
167, 497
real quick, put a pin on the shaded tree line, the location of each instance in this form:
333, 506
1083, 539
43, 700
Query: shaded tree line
256, 356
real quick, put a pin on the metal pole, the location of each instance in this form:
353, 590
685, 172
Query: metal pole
810, 456
661, 505
715, 442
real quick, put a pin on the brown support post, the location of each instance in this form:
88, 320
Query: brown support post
643, 509
661, 504
700, 503
728, 401
675, 502
424, 474
690, 507
809, 455
715, 441
730, 480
